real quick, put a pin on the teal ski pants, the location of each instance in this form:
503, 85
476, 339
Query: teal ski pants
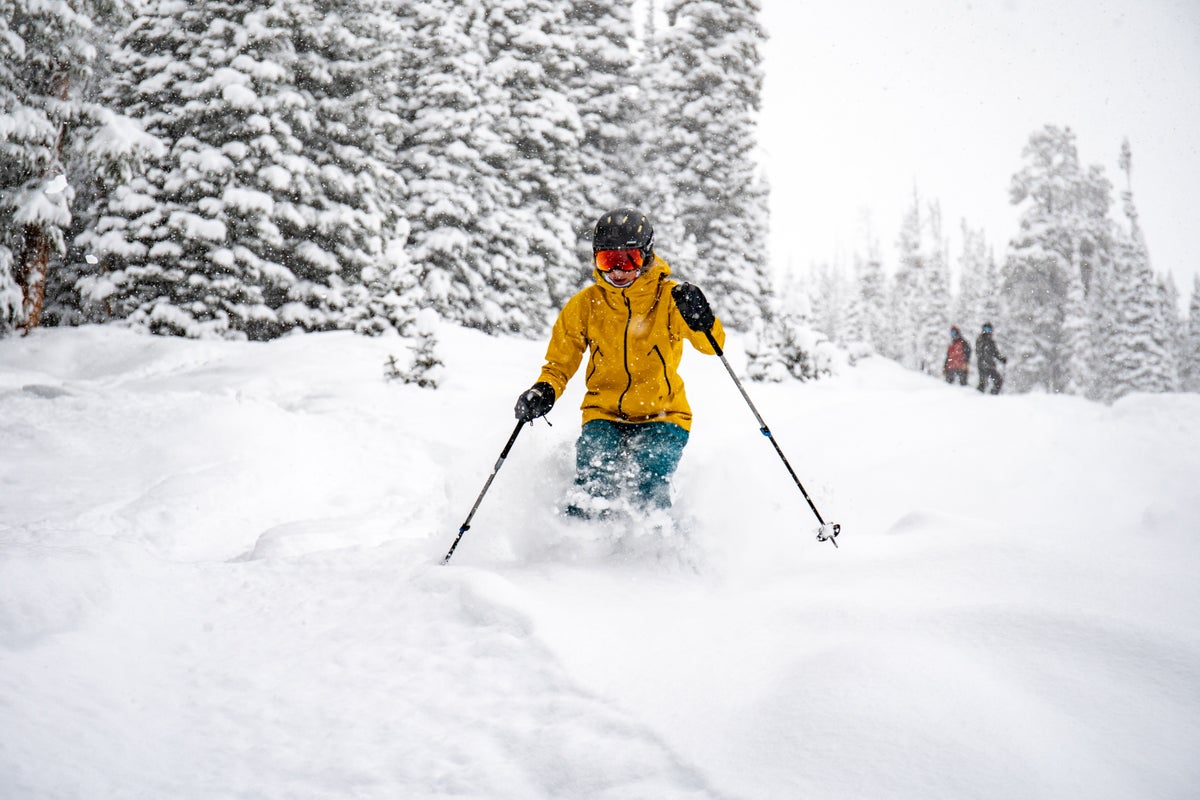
631, 461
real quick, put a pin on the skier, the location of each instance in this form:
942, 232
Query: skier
632, 322
989, 354
958, 358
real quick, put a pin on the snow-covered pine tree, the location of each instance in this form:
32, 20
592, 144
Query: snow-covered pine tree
47, 53
909, 291
1173, 321
1031, 275
938, 301
453, 186
98, 158
347, 67
1141, 358
920, 292
1142, 353
788, 346
1077, 339
869, 303
603, 89
711, 72
427, 369
253, 222
979, 283
1101, 293
530, 63
654, 189
1189, 366
393, 295
764, 361
1065, 213
168, 259
831, 295
866, 326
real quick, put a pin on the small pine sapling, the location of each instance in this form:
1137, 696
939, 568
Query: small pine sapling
426, 369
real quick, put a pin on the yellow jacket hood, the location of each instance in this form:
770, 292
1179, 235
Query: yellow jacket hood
634, 340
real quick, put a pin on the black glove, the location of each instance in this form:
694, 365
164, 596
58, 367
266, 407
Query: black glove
693, 307
534, 402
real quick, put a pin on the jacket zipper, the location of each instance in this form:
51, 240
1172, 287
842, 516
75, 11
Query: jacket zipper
663, 361
625, 357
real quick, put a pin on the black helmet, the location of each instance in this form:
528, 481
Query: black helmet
624, 229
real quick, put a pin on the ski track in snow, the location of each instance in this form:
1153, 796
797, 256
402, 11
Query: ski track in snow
219, 578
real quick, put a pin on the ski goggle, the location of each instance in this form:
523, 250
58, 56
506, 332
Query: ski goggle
624, 260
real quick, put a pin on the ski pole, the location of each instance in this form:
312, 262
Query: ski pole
828, 532
467, 522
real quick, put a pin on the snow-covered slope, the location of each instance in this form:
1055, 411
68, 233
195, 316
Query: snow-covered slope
219, 577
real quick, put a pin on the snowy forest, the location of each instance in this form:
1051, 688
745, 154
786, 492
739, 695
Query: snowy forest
245, 170
1076, 303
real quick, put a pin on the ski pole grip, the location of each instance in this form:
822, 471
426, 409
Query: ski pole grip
713, 342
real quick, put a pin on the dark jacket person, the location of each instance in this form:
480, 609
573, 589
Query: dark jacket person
986, 355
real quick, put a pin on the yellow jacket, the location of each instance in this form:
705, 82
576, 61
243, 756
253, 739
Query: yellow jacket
634, 339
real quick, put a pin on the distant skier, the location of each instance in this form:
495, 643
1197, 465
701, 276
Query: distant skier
958, 358
989, 354
632, 323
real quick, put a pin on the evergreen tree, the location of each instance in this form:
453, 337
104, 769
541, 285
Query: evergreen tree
867, 315
937, 302
454, 168
711, 70
831, 299
530, 63
603, 88
1103, 312
1064, 217
787, 346
906, 292
113, 151
1140, 358
869, 306
1077, 339
427, 368
920, 291
764, 361
186, 246
1189, 367
1142, 338
48, 51
1173, 322
273, 199
654, 184
346, 64
979, 282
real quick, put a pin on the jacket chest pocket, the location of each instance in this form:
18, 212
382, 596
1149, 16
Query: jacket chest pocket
595, 358
660, 362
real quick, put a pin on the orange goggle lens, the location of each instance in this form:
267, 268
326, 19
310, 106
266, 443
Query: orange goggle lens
624, 260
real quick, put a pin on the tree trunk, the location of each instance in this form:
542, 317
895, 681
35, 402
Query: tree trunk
34, 260
31, 274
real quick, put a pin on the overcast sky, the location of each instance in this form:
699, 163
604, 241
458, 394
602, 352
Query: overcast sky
864, 99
